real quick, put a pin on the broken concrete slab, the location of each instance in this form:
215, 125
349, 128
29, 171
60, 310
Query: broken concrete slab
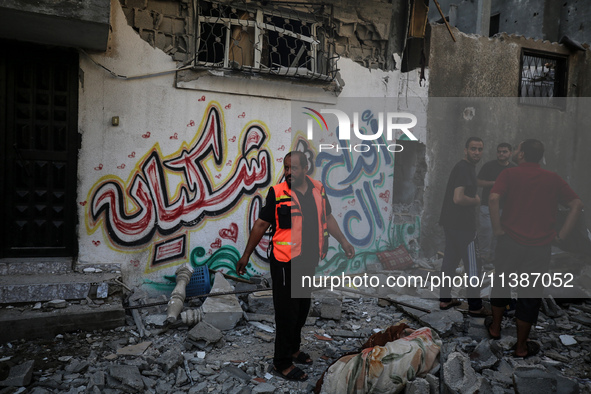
530, 380
128, 375
206, 332
19, 375
417, 386
330, 308
261, 302
444, 322
486, 354
222, 312
134, 350
460, 377
16, 324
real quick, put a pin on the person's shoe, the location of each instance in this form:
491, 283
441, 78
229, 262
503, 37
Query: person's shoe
295, 374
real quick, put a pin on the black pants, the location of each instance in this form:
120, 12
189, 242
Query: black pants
513, 259
461, 245
290, 313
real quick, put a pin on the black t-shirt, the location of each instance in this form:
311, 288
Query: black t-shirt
490, 172
455, 216
310, 246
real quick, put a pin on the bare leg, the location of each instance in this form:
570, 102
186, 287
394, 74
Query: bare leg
523, 329
495, 327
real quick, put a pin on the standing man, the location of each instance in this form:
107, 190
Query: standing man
525, 233
458, 218
301, 217
486, 179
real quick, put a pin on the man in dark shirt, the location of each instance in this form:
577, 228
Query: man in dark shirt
524, 236
458, 218
302, 219
486, 179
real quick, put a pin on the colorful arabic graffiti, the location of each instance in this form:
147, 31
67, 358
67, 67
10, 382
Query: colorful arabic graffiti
196, 198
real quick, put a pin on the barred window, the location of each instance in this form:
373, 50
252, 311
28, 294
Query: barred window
543, 79
279, 38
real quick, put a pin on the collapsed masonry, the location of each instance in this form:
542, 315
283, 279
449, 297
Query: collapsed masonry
232, 353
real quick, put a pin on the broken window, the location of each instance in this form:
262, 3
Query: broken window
282, 38
543, 79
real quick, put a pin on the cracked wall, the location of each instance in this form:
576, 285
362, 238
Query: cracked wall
367, 32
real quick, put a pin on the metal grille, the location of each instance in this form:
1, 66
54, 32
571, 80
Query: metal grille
282, 38
40, 152
543, 79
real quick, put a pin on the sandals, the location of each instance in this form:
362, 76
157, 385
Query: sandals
450, 305
533, 348
487, 323
302, 358
296, 374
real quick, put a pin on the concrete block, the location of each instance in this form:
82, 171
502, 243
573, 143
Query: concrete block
35, 324
19, 375
330, 308
206, 332
165, 25
170, 360
528, 380
97, 379
458, 374
128, 375
236, 373
178, 26
486, 355
433, 383
222, 312
136, 3
261, 302
164, 7
143, 19
417, 386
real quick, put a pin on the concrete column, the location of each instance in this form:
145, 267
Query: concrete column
483, 17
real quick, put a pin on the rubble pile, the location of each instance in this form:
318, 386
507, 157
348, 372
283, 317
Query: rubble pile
231, 350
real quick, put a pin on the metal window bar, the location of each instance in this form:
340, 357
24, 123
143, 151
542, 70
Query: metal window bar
289, 39
543, 80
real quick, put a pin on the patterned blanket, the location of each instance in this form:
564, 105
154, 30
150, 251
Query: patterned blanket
384, 367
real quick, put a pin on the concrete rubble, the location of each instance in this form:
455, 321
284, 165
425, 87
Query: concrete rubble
232, 352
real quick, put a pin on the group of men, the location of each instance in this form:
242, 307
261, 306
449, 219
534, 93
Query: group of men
299, 214
517, 237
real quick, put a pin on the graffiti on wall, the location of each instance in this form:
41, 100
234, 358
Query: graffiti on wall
152, 210
366, 216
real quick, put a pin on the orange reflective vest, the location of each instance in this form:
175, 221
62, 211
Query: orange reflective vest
287, 239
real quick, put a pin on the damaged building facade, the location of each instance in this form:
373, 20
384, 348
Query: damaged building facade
144, 134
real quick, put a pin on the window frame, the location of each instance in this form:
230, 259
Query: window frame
260, 27
559, 82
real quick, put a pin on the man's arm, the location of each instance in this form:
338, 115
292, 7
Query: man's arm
483, 183
461, 199
495, 215
335, 231
258, 230
576, 207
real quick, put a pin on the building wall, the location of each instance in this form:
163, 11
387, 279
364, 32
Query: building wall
543, 19
472, 92
150, 198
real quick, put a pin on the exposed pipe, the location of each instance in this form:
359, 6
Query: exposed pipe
177, 298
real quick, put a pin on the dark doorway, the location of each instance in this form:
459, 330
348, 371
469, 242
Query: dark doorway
38, 151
